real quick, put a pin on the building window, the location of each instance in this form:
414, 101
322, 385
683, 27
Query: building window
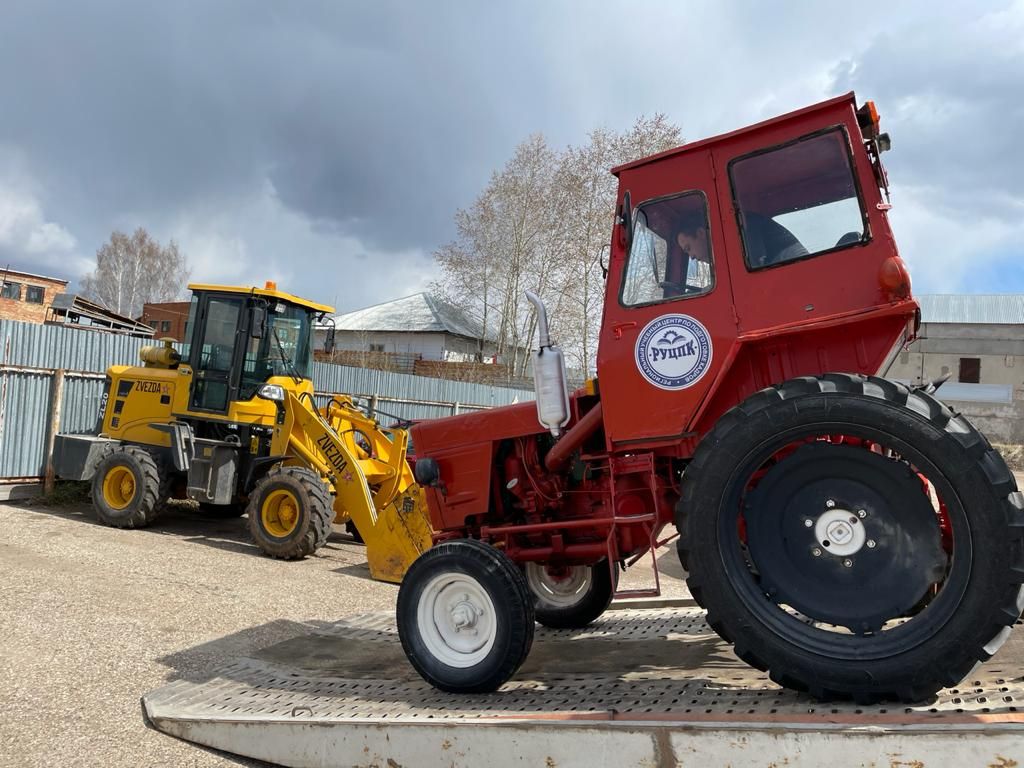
11, 291
376, 347
152, 324
970, 370
165, 326
34, 294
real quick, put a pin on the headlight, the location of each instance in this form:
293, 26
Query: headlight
273, 392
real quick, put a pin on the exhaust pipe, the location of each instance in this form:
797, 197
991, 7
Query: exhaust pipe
549, 379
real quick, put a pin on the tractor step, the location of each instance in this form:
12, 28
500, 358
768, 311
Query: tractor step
650, 686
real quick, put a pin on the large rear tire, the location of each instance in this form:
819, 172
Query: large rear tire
290, 513
126, 489
465, 617
571, 596
854, 538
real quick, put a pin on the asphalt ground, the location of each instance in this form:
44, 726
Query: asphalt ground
91, 618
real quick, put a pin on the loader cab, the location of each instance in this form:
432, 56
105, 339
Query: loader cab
241, 338
731, 257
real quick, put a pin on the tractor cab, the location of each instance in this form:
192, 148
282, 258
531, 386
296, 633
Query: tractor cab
742, 260
240, 339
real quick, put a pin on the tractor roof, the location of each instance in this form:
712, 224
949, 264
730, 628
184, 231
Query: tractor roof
705, 143
270, 292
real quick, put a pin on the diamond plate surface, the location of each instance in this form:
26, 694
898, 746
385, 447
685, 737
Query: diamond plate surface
630, 664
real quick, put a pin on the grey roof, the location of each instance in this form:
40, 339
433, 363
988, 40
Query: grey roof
972, 308
419, 313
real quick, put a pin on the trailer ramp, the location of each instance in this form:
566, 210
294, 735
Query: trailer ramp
653, 687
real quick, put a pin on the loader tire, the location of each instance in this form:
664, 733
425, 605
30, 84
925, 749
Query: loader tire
126, 487
569, 597
290, 513
465, 616
829, 562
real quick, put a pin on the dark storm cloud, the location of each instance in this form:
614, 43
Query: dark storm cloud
361, 115
314, 141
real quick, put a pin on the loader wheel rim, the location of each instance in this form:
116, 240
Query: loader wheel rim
457, 620
817, 634
559, 586
119, 487
280, 513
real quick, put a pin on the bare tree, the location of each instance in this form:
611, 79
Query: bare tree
132, 270
541, 224
585, 202
501, 250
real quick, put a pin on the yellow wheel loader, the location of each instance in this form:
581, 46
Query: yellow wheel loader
232, 424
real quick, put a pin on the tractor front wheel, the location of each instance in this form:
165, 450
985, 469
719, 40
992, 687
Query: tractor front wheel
126, 488
569, 596
465, 617
854, 538
290, 513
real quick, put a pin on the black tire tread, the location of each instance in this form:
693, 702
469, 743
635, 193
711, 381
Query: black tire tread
321, 512
148, 508
594, 603
516, 599
1004, 608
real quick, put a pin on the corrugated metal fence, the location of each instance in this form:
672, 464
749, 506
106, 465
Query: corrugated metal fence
30, 354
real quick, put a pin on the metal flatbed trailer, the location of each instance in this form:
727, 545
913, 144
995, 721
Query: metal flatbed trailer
649, 686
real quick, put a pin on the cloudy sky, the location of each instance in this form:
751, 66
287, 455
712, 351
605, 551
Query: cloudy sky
327, 144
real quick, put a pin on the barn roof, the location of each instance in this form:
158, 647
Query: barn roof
419, 313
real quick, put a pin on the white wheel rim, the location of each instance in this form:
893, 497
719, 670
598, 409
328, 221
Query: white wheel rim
559, 591
456, 620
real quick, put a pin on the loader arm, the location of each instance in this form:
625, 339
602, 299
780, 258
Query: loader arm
372, 483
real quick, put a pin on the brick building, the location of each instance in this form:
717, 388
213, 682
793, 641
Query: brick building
167, 319
25, 296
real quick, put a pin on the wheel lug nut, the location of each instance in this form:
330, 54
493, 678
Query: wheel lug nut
854, 520
871, 544
808, 523
848, 563
861, 513
830, 503
816, 552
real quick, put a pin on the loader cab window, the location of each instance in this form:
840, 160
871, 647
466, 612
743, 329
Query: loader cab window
283, 348
670, 255
798, 200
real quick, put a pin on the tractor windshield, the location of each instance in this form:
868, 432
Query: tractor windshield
798, 200
283, 349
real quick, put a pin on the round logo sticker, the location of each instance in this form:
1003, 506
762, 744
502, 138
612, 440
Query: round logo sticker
673, 351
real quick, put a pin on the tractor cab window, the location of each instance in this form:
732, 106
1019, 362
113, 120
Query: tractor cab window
282, 349
670, 253
798, 200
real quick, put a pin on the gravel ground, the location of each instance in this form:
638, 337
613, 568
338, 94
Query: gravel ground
92, 618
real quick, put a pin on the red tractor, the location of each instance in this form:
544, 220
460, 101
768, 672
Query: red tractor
850, 535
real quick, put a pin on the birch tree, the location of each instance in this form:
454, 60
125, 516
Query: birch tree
540, 224
135, 269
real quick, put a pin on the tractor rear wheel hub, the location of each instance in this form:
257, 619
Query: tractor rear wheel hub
840, 532
843, 569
